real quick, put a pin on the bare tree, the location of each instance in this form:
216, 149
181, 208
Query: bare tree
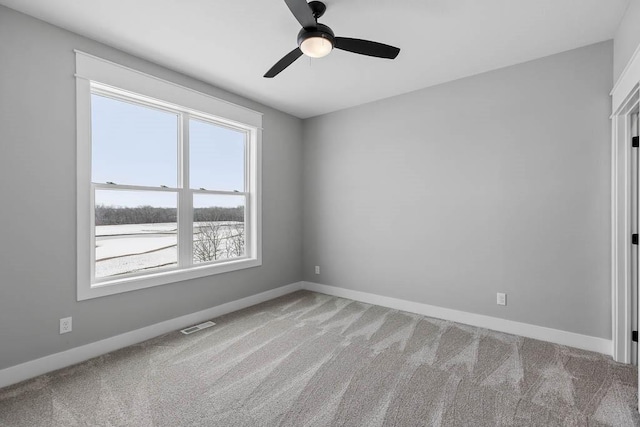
144, 214
219, 234
235, 241
208, 244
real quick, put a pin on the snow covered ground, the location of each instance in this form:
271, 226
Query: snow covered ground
129, 248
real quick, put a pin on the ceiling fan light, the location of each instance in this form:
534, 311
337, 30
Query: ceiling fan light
316, 47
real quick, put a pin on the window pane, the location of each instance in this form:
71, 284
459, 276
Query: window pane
218, 227
135, 231
132, 144
216, 157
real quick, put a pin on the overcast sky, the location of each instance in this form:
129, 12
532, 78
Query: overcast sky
135, 145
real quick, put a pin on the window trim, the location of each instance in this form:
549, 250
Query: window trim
94, 74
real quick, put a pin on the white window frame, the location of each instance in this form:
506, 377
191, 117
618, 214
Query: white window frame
96, 75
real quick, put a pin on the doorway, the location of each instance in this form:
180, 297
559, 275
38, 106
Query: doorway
625, 210
635, 252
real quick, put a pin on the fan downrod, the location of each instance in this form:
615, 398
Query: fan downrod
317, 8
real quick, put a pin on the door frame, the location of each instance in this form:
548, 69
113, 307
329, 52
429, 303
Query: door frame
624, 98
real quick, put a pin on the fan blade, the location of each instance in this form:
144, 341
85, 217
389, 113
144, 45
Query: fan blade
366, 47
287, 60
302, 12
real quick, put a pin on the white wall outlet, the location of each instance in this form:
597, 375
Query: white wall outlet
317, 269
502, 298
66, 325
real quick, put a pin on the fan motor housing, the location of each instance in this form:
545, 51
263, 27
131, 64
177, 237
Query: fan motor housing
320, 30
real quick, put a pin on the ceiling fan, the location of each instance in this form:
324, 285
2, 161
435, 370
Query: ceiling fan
317, 40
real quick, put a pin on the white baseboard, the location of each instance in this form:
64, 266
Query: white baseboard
33, 368
585, 342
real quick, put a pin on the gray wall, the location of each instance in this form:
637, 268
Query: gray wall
627, 38
447, 195
37, 193
497, 182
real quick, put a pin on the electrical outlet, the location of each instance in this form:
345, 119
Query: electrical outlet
317, 269
502, 298
66, 325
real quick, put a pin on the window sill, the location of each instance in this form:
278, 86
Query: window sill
88, 291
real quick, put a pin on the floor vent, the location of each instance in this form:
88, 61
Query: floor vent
196, 328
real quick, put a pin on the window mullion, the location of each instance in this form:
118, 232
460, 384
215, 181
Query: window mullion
185, 213
248, 205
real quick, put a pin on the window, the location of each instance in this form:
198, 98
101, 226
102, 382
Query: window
166, 192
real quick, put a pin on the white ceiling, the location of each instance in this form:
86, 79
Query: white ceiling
232, 43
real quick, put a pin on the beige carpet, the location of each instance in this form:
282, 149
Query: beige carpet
308, 359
